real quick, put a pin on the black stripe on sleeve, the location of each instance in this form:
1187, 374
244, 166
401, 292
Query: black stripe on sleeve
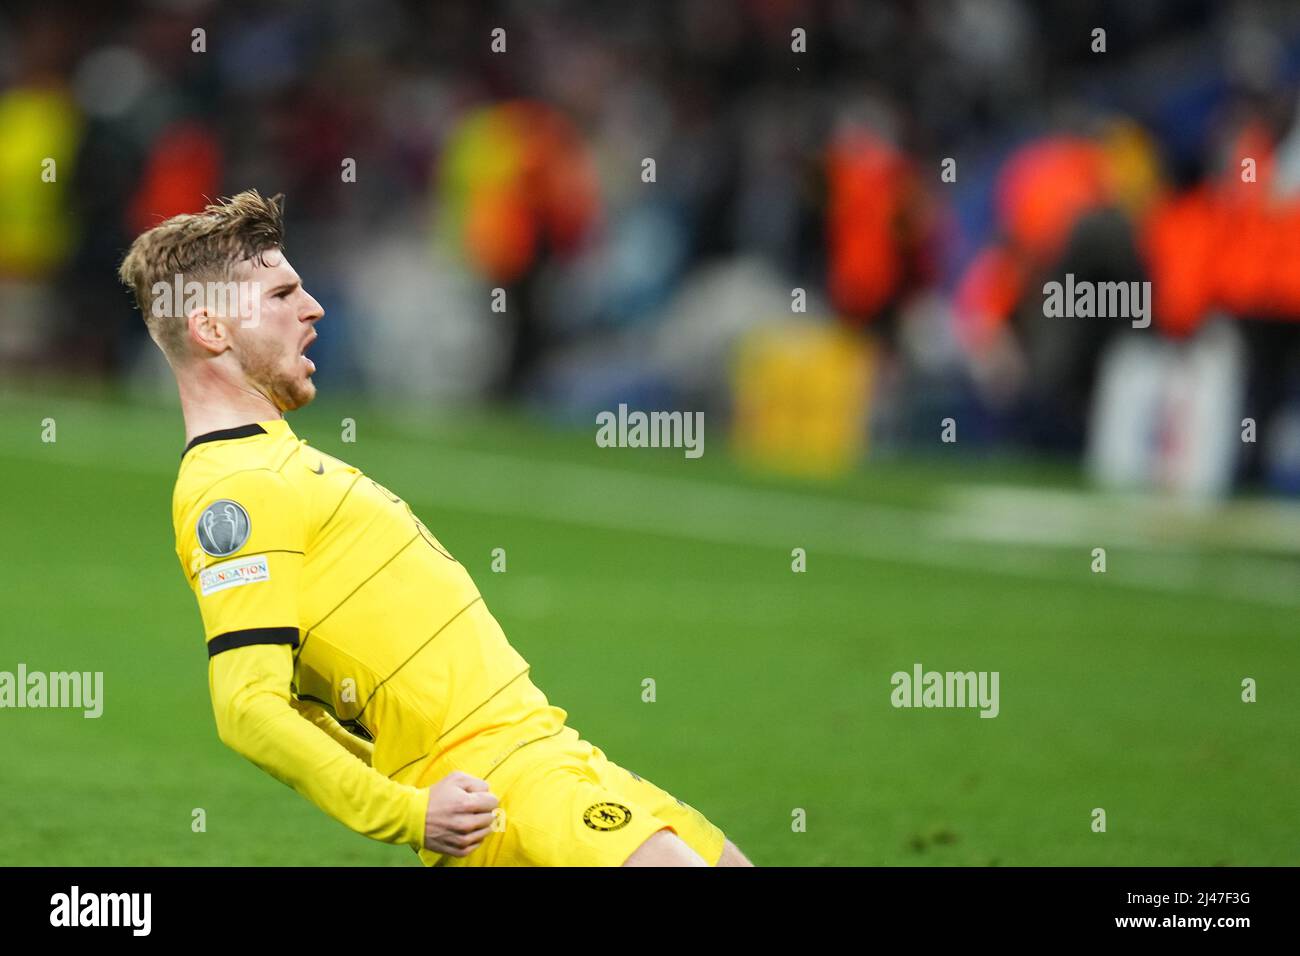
253, 635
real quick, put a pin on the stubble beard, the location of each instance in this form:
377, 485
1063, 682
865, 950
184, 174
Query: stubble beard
266, 372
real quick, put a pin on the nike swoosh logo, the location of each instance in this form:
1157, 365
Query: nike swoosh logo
320, 468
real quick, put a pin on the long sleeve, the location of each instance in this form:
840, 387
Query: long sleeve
255, 717
363, 750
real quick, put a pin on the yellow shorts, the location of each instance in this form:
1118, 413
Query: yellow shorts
569, 805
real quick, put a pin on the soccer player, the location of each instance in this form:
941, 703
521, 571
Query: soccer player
349, 653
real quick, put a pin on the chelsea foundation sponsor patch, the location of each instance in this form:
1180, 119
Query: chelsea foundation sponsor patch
233, 573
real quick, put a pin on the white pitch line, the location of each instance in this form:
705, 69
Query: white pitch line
712, 512
611, 499
1023, 515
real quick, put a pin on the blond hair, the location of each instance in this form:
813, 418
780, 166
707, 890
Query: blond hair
199, 247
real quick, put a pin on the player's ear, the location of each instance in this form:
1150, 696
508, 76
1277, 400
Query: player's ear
207, 331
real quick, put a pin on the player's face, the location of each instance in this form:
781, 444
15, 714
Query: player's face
270, 341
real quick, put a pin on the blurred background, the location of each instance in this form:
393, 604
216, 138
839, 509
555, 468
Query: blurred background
828, 226
844, 242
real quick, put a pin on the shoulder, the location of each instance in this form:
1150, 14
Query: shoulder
253, 466
220, 505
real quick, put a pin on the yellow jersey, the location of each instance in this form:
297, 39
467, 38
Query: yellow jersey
292, 551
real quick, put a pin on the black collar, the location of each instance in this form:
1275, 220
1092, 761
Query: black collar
225, 434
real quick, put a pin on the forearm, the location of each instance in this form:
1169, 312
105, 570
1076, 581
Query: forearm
363, 750
251, 702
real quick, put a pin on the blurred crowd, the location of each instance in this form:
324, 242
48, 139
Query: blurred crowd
651, 184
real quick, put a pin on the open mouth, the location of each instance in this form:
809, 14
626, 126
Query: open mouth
311, 366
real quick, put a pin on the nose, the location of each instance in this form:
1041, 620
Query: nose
313, 312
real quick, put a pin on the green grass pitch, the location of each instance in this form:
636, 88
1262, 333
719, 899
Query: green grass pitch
1120, 691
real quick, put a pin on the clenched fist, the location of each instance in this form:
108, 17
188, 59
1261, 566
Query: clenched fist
460, 814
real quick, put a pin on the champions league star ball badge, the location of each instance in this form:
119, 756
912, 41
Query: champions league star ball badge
223, 528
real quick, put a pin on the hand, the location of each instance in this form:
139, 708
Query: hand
460, 814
